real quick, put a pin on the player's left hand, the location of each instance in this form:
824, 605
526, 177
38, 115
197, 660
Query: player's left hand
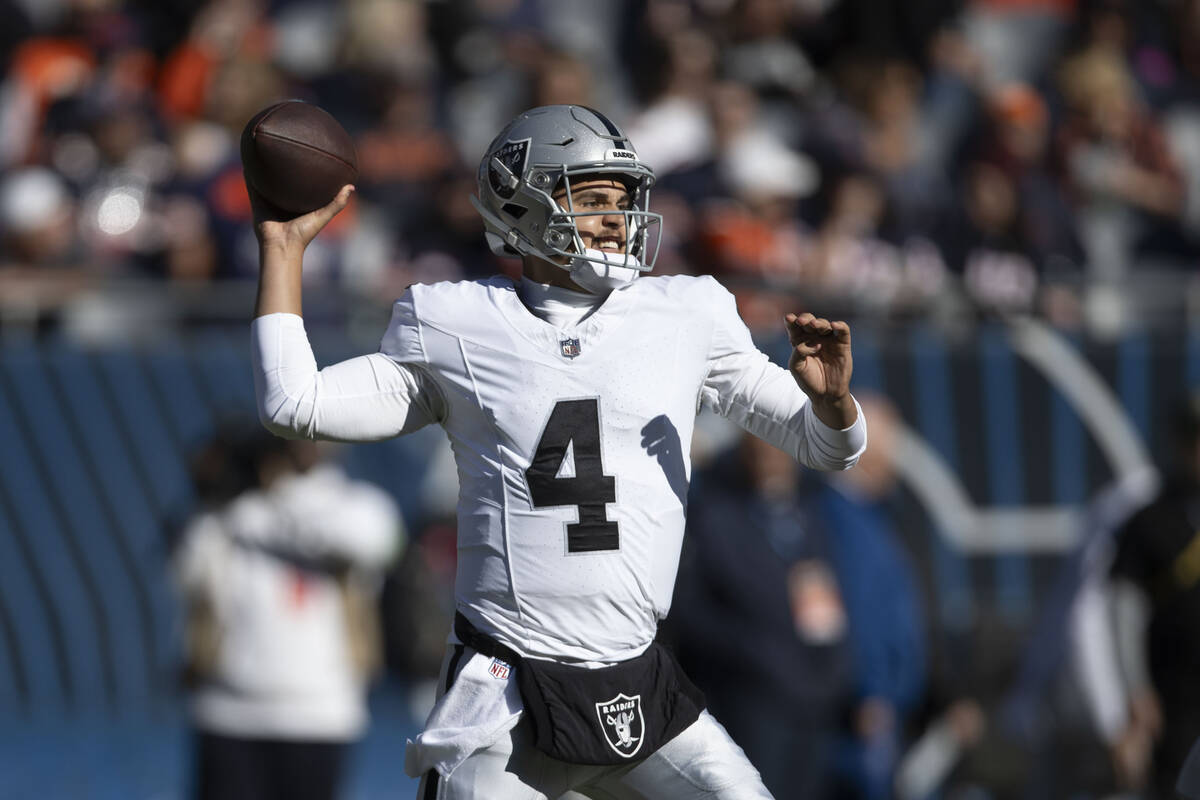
821, 364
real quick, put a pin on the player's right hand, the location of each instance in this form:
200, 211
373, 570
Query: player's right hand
277, 231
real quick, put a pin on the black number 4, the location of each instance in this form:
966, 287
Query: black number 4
578, 422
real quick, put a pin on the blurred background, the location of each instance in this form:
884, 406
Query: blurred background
1001, 196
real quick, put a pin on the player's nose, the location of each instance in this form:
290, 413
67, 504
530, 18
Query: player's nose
613, 219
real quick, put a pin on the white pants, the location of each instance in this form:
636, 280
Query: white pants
702, 762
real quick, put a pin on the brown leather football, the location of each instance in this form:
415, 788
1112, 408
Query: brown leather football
297, 156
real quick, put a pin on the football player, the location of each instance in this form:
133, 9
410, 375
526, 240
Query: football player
569, 399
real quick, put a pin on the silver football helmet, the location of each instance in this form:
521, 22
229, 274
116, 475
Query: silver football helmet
540, 152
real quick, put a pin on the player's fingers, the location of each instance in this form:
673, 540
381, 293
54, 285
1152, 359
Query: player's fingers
796, 325
807, 349
819, 327
841, 331
808, 323
810, 328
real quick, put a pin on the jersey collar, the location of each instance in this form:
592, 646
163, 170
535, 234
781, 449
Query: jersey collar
549, 339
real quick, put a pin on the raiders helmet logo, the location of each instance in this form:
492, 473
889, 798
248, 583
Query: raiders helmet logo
623, 724
512, 156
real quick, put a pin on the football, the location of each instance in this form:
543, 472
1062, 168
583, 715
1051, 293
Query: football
297, 156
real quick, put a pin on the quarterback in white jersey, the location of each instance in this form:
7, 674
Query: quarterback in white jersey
569, 400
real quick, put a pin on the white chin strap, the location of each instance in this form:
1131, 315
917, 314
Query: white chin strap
607, 272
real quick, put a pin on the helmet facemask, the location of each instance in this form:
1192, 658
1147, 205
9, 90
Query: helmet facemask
640, 248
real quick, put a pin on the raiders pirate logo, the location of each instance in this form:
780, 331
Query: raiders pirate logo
512, 155
623, 724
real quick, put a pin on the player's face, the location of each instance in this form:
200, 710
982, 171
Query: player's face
603, 200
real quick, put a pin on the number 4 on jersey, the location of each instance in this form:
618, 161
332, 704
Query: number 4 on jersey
575, 424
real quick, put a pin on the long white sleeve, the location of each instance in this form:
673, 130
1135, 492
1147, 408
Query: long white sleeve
366, 398
763, 398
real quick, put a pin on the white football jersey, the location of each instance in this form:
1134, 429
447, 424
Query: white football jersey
573, 447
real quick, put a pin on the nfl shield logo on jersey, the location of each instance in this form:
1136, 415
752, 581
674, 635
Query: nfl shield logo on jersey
570, 347
499, 669
623, 724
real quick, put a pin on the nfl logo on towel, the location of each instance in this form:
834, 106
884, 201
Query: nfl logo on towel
570, 347
499, 669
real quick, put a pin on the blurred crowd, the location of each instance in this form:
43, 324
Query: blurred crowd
989, 155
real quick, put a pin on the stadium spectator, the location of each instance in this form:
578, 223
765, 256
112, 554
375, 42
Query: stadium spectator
1123, 180
37, 219
677, 69
759, 618
1016, 40
879, 587
1156, 613
855, 259
749, 224
879, 124
279, 588
1016, 139
984, 244
797, 610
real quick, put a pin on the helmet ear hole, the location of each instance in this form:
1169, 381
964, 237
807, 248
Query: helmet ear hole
513, 210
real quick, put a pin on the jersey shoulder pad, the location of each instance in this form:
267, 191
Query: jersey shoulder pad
712, 311
684, 288
701, 296
447, 304
454, 307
